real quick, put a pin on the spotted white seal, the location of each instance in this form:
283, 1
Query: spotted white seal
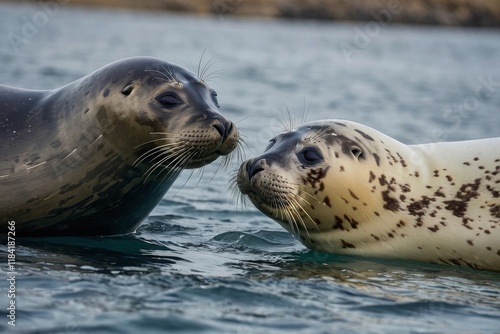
342, 187
97, 155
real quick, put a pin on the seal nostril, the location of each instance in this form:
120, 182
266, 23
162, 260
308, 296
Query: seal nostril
228, 130
252, 169
255, 171
220, 129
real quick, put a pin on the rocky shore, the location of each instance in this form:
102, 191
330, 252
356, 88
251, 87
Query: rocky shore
471, 13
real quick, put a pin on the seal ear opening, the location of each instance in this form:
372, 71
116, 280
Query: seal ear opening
357, 152
128, 89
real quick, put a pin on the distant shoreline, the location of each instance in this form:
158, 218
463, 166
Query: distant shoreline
464, 13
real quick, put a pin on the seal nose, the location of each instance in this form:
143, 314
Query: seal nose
223, 127
254, 166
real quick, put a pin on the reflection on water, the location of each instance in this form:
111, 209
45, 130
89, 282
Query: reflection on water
199, 263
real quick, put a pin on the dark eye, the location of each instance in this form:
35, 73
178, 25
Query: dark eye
169, 100
310, 156
214, 99
271, 144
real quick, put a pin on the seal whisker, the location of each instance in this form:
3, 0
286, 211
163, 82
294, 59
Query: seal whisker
199, 64
211, 62
179, 164
164, 76
68, 155
303, 210
290, 217
202, 71
232, 187
164, 156
175, 164
150, 141
163, 133
155, 150
31, 167
171, 73
296, 207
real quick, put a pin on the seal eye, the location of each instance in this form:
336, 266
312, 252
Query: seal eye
214, 99
310, 156
169, 100
271, 144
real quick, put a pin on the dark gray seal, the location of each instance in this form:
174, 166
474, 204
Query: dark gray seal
97, 155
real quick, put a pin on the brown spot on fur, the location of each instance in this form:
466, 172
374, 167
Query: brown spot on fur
467, 163
436, 173
353, 195
372, 177
439, 193
466, 192
495, 193
391, 204
418, 208
495, 211
352, 221
338, 224
434, 229
314, 176
469, 190
364, 135
465, 222
470, 242
346, 244
401, 224
326, 201
375, 237
405, 188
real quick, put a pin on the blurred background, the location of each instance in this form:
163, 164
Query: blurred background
478, 13
420, 71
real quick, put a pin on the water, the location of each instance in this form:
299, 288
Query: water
201, 264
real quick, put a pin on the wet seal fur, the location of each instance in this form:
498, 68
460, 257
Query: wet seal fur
97, 155
342, 187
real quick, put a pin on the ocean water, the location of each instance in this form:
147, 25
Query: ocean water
200, 263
